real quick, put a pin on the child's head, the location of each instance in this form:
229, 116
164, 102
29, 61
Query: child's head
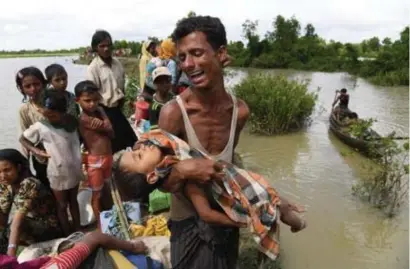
30, 82
56, 76
88, 96
353, 115
162, 79
13, 165
132, 184
141, 160
344, 91
54, 106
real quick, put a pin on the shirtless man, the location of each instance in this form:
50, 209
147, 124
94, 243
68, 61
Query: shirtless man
210, 119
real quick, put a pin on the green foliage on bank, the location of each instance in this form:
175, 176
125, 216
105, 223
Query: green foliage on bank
277, 105
288, 46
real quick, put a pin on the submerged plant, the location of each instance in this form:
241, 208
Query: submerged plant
277, 104
387, 183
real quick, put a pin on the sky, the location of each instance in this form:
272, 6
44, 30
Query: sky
50, 24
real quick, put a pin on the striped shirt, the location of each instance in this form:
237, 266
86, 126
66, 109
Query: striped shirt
69, 259
154, 110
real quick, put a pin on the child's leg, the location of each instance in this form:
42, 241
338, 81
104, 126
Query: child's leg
107, 201
62, 203
74, 207
289, 217
96, 182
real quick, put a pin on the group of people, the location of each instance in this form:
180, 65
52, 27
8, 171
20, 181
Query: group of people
189, 152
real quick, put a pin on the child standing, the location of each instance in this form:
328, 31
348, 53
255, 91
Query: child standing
163, 93
31, 83
96, 131
57, 79
58, 133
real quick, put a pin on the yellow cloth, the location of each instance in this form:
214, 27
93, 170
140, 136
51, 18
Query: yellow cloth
120, 261
168, 49
155, 226
145, 58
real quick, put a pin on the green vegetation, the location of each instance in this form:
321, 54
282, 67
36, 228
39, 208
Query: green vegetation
131, 92
277, 105
361, 128
386, 183
384, 63
38, 53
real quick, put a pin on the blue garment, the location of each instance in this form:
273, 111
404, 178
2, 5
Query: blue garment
141, 261
157, 62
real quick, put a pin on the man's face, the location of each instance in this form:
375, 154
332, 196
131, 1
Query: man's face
104, 49
197, 58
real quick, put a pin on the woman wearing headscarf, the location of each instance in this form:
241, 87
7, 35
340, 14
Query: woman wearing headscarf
108, 74
166, 57
27, 208
148, 50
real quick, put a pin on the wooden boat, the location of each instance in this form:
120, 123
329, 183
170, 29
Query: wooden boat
361, 145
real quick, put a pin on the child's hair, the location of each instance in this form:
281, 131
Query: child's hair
353, 115
53, 70
85, 86
343, 90
98, 37
55, 101
136, 184
28, 71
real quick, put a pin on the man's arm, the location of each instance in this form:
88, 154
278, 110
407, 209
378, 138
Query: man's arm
335, 102
106, 123
243, 116
204, 210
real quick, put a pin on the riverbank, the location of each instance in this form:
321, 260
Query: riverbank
33, 55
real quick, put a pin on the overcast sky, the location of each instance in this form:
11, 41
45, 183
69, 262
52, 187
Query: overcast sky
50, 24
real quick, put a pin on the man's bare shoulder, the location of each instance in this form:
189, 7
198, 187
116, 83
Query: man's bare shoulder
243, 110
170, 118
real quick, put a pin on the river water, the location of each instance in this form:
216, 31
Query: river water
308, 167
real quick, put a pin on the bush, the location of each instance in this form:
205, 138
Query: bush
277, 105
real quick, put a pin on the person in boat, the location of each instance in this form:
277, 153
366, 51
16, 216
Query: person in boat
243, 198
343, 107
148, 51
350, 118
28, 212
108, 75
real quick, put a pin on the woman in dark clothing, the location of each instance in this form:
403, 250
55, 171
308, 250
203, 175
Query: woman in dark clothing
108, 74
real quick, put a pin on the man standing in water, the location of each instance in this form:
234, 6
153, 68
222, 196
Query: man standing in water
209, 119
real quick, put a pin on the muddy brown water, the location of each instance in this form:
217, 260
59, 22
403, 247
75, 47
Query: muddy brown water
309, 167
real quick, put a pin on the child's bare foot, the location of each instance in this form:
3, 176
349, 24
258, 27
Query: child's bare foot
302, 226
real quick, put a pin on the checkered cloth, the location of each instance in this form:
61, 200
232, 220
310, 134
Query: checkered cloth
245, 197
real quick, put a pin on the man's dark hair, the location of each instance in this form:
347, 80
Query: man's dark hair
343, 90
98, 37
212, 27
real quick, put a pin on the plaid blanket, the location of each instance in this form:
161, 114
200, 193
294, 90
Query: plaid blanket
245, 197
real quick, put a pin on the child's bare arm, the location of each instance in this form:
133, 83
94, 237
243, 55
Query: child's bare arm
107, 123
93, 123
204, 210
30, 146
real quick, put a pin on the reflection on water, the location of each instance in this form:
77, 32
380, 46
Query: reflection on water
317, 170
308, 167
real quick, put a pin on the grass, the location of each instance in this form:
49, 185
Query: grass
278, 105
